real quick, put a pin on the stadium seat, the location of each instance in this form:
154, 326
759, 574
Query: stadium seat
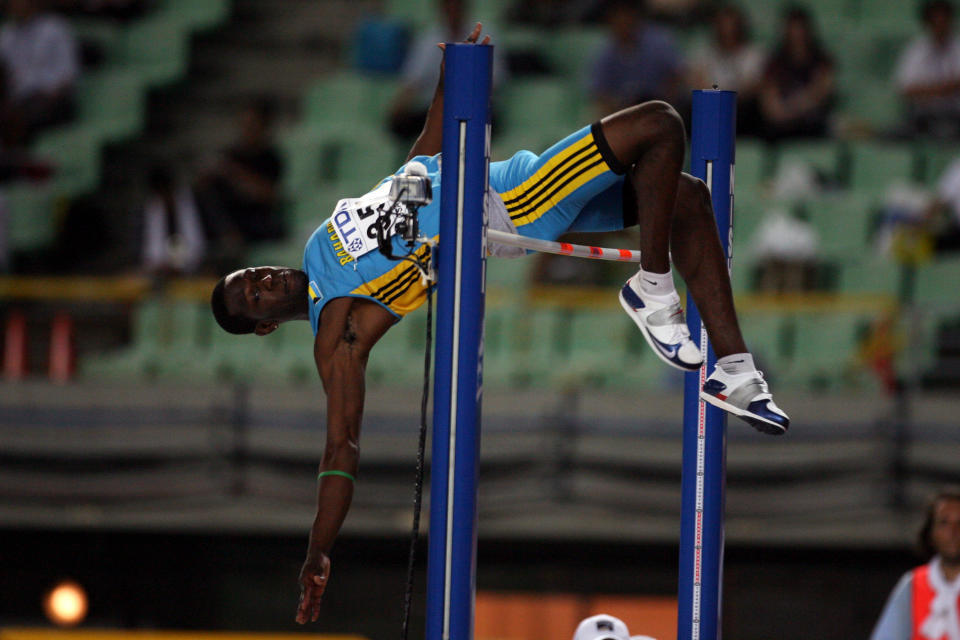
875, 166
539, 107
571, 52
765, 335
870, 275
112, 103
196, 15
935, 157
875, 104
936, 283
32, 220
597, 348
827, 351
75, 153
156, 48
843, 222
753, 164
824, 156
349, 100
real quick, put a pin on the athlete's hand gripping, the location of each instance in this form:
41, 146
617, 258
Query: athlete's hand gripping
313, 581
471, 39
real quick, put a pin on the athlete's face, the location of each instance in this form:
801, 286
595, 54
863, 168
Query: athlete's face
945, 533
268, 295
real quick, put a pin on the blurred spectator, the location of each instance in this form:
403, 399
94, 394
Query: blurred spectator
640, 61
114, 9
421, 70
543, 13
943, 212
924, 604
40, 59
797, 92
787, 252
173, 241
604, 627
240, 195
928, 75
733, 63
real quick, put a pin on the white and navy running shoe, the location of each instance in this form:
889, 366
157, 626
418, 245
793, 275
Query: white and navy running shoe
663, 325
746, 396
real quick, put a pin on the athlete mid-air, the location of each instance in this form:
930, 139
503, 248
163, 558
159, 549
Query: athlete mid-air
624, 170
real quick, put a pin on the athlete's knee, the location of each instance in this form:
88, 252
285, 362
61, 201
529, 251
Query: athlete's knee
634, 131
664, 119
693, 200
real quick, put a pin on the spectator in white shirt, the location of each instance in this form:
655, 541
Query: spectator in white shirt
173, 240
732, 62
928, 75
421, 69
41, 65
943, 212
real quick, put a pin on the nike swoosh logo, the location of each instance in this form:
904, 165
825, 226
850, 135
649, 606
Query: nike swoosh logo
671, 352
650, 281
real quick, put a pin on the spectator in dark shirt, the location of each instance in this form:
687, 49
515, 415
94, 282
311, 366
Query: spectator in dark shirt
797, 92
240, 195
40, 68
640, 61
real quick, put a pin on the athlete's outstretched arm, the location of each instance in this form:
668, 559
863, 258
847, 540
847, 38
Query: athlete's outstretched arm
430, 141
349, 327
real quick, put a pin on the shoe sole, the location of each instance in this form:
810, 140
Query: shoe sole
650, 341
758, 423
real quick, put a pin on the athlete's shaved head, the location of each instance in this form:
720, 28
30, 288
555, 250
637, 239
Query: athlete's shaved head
258, 299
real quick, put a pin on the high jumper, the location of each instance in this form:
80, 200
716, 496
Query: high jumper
622, 171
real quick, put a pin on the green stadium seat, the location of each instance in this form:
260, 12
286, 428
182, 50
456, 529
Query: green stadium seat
156, 48
843, 222
137, 360
597, 348
827, 348
753, 164
936, 284
112, 104
308, 158
367, 158
765, 334
540, 107
935, 158
413, 12
197, 15
871, 275
511, 274
571, 51
32, 216
881, 14
75, 153
824, 156
349, 100
875, 166
875, 104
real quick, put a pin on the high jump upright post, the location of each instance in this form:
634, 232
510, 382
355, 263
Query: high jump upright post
458, 383
704, 426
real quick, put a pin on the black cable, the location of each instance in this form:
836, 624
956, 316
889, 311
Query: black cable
418, 482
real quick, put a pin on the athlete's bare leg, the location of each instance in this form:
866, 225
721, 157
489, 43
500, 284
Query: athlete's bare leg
675, 214
649, 138
698, 257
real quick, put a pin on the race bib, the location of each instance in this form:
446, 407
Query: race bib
354, 220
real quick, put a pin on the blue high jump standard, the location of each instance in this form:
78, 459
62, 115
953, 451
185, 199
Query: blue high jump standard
704, 426
458, 382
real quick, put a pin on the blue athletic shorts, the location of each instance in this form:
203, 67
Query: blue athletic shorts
575, 185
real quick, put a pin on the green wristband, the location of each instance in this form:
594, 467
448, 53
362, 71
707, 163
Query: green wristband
334, 472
